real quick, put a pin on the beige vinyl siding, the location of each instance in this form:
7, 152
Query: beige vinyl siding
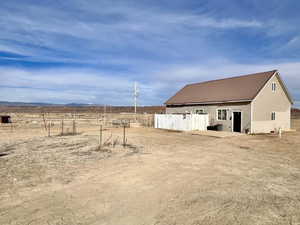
245, 108
268, 101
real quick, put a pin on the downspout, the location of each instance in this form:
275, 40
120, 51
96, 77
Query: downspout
251, 117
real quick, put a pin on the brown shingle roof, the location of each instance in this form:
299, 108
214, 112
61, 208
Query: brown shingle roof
235, 89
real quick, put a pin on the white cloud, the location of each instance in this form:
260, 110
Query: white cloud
69, 85
293, 45
44, 95
219, 69
143, 40
180, 75
206, 21
115, 26
60, 78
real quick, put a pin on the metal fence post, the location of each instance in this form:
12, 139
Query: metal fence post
100, 137
124, 135
49, 125
74, 127
62, 127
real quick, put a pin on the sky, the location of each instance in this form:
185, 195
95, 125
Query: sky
92, 51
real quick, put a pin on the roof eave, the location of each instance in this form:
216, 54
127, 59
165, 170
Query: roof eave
209, 103
286, 89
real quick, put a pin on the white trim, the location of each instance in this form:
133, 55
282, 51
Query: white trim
200, 109
285, 88
266, 84
217, 114
274, 86
232, 120
208, 103
251, 118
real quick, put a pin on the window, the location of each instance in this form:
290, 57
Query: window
199, 111
222, 114
273, 116
273, 86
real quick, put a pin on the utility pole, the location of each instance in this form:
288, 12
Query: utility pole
135, 95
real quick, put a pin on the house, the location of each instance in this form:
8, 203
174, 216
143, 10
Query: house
254, 103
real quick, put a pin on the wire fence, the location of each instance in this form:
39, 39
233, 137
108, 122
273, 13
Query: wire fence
49, 125
56, 128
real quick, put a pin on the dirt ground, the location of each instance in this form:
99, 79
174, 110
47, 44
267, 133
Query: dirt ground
159, 178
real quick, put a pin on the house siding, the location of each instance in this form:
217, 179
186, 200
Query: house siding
267, 102
245, 108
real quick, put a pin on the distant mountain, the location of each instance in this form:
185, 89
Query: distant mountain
295, 110
6, 103
36, 107
295, 113
80, 104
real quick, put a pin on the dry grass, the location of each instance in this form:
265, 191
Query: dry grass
160, 177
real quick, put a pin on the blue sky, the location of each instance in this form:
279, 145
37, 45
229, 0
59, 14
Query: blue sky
92, 51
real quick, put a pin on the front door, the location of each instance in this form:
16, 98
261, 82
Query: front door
237, 122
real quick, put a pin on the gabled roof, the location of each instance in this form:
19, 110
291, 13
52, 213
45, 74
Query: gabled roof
235, 89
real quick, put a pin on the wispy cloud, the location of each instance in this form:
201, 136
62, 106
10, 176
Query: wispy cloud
180, 75
92, 51
210, 22
69, 85
112, 27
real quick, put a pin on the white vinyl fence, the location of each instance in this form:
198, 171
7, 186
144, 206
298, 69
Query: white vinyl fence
186, 122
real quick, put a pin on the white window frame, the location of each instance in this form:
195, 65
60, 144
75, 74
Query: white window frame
273, 118
274, 86
203, 111
217, 112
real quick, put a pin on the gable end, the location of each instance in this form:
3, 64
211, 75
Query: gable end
276, 73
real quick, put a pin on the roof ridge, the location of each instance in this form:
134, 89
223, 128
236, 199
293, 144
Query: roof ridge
228, 78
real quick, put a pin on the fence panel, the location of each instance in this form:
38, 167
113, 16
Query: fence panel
181, 122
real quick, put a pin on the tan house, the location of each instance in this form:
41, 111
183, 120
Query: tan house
254, 103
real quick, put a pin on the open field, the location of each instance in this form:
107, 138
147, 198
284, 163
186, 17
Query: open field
78, 109
160, 177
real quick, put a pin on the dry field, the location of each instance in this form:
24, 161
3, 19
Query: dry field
159, 178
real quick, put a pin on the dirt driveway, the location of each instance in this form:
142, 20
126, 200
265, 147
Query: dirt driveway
160, 178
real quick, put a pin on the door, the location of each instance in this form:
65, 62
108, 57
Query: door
237, 121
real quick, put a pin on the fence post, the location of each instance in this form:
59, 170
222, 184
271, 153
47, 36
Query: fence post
100, 137
62, 127
44, 121
280, 132
124, 136
74, 127
49, 125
